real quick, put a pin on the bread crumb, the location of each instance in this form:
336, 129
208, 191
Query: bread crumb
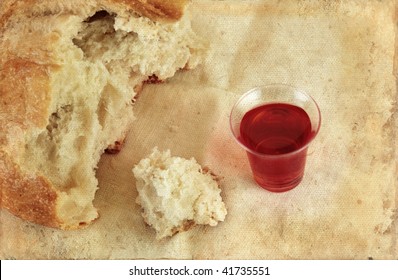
176, 194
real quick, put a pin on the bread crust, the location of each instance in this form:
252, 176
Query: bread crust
25, 95
24, 91
31, 198
158, 10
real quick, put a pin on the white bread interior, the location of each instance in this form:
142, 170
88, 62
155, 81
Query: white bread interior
100, 62
176, 194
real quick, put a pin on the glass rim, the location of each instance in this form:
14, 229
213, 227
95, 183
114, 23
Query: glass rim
279, 85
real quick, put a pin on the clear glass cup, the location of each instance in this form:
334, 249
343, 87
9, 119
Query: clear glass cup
275, 125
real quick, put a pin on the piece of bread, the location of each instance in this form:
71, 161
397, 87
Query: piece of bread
176, 193
69, 71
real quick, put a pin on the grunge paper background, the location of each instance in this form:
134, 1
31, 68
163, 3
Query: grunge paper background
342, 53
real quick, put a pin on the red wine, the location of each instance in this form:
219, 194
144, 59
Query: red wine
275, 132
274, 129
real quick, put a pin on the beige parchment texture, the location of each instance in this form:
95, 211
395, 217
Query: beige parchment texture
340, 52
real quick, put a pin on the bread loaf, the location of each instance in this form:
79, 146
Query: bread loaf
176, 194
69, 72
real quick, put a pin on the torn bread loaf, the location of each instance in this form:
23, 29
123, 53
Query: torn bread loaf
176, 194
69, 72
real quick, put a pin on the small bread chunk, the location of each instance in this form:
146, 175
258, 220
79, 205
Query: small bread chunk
176, 194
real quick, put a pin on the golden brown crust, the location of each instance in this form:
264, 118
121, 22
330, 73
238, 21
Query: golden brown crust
5, 12
166, 10
27, 59
29, 197
157, 9
24, 102
24, 95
